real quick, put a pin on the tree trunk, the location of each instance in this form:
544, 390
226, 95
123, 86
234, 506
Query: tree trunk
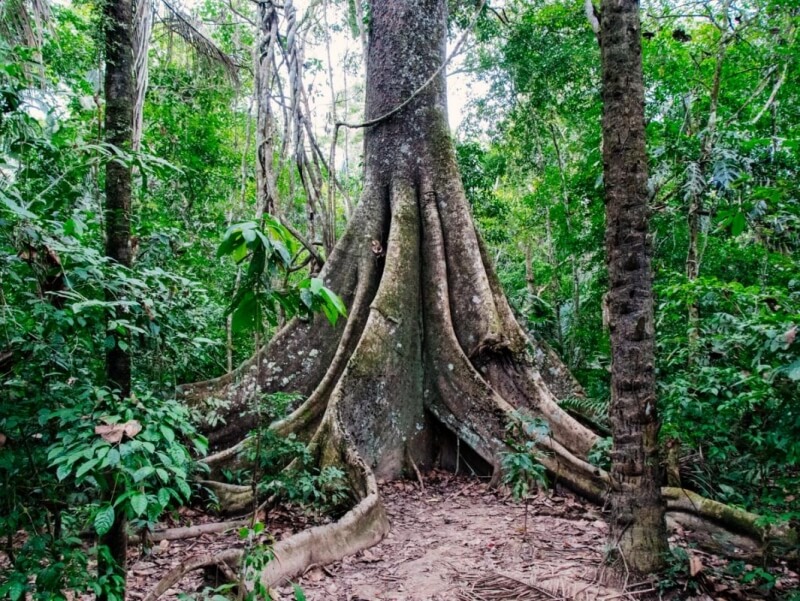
142, 32
119, 96
637, 533
266, 188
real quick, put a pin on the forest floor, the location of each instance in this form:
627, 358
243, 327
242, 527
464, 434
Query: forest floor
457, 539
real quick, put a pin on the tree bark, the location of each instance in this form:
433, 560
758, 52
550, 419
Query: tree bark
638, 532
119, 96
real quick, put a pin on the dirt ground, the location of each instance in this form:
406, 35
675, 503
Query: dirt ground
457, 539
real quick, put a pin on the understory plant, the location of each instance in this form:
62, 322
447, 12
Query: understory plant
522, 469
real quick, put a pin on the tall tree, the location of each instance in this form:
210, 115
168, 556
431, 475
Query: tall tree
119, 97
637, 532
430, 353
430, 341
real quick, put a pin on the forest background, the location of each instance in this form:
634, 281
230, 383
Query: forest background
723, 104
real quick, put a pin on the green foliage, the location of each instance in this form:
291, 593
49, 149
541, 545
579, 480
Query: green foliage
600, 453
521, 467
731, 393
131, 451
593, 410
268, 253
322, 489
676, 574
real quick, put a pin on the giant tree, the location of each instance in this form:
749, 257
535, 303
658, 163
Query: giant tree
431, 352
637, 528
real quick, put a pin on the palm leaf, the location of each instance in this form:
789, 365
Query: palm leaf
192, 32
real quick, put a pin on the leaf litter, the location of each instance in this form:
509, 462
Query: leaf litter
457, 539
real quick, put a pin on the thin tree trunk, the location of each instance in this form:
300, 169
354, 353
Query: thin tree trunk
551, 256
530, 276
119, 95
142, 31
694, 250
330, 209
266, 188
638, 532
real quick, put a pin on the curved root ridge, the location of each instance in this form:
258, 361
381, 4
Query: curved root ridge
363, 526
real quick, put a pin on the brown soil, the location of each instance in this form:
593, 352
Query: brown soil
446, 537
457, 539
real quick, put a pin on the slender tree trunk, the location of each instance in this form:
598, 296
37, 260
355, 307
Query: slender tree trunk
119, 95
697, 239
266, 188
638, 532
573, 261
142, 31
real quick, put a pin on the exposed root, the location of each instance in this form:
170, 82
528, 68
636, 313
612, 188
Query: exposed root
174, 576
304, 353
772, 537
188, 531
360, 528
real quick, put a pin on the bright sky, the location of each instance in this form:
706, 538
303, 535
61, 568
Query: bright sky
461, 87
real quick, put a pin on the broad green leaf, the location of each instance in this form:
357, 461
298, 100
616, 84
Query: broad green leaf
63, 471
184, 488
85, 468
18, 210
167, 433
738, 224
244, 316
793, 370
249, 235
16, 590
138, 503
104, 519
143, 472
239, 253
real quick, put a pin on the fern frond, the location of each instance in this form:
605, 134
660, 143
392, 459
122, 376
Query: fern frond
594, 409
695, 182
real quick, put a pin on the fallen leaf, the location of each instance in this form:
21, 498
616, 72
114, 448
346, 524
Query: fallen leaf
695, 565
113, 433
369, 557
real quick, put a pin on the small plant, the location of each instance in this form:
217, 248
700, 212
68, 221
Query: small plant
600, 453
752, 575
256, 556
133, 451
249, 587
522, 469
677, 572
